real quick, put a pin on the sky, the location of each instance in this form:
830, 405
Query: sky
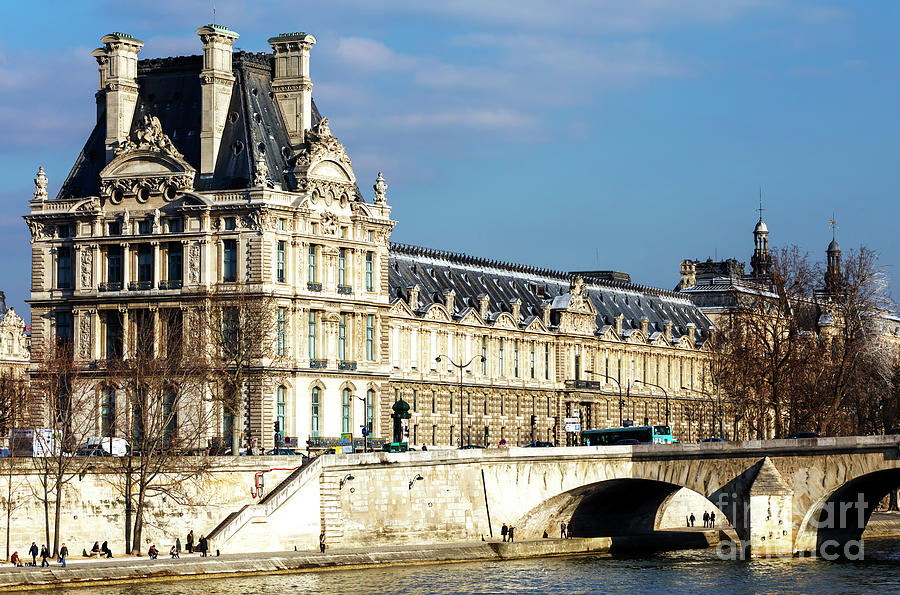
570, 135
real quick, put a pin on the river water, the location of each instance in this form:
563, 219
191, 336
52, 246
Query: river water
690, 571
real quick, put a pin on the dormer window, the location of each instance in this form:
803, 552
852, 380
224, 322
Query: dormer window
176, 225
144, 227
230, 224
66, 230
114, 228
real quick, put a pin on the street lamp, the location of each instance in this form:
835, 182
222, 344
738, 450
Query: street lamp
621, 398
664, 393
365, 422
460, 367
719, 415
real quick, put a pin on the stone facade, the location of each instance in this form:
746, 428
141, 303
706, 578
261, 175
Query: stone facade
226, 175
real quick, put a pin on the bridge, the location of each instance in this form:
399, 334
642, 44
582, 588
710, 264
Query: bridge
782, 497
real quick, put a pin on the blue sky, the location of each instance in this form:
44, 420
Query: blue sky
567, 134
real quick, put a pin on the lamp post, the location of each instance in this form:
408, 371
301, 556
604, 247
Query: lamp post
460, 367
621, 398
664, 393
714, 404
366, 428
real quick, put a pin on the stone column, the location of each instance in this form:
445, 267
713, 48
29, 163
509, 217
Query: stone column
126, 265
156, 267
126, 327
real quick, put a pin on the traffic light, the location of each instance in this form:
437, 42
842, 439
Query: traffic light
277, 427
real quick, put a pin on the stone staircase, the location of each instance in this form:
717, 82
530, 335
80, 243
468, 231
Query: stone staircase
233, 523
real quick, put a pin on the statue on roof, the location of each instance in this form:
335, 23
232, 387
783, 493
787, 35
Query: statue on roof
148, 135
322, 129
380, 188
40, 184
261, 173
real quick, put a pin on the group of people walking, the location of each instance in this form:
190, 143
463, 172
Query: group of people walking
709, 519
508, 533
44, 555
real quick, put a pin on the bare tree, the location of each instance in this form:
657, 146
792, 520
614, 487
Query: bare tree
12, 401
163, 384
243, 343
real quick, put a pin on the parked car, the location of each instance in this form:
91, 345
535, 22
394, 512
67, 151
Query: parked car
103, 447
539, 444
283, 452
799, 435
470, 446
714, 439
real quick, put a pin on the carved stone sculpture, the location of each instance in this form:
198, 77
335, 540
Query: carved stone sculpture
194, 263
157, 226
40, 184
261, 173
87, 262
380, 188
329, 223
84, 343
149, 135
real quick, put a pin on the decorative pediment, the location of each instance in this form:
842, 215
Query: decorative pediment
470, 316
635, 336
400, 308
504, 320
323, 166
146, 164
536, 325
437, 312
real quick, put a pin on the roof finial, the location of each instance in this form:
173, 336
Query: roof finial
833, 224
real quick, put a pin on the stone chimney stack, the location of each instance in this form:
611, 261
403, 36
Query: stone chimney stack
545, 312
515, 306
667, 330
291, 84
483, 303
217, 82
117, 61
449, 299
645, 326
620, 319
414, 297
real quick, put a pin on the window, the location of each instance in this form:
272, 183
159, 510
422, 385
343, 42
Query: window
145, 263
144, 227
176, 225
66, 230
485, 404
227, 426
312, 264
345, 411
502, 403
170, 416
175, 264
343, 232
282, 323
370, 337
314, 227
433, 402
114, 264
280, 268
64, 329
370, 410
229, 261
484, 356
370, 271
282, 224
342, 337
502, 371
314, 412
312, 334
451, 403
279, 411
114, 228
342, 266
230, 224
533, 405
64, 268
518, 412
414, 399
516, 359
370, 236
548, 406
433, 435
469, 404
108, 412
113, 335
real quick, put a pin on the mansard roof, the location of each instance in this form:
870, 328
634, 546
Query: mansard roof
435, 271
169, 88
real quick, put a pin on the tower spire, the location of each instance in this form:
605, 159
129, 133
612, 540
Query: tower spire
761, 262
760, 204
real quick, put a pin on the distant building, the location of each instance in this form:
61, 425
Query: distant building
15, 356
219, 171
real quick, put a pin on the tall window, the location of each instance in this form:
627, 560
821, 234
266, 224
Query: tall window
64, 268
370, 271
114, 264
502, 371
342, 337
64, 329
113, 335
546, 361
282, 324
370, 409
279, 410
516, 359
414, 399
175, 264
145, 263
433, 402
484, 356
532, 361
108, 412
229, 261
280, 267
170, 416
312, 334
345, 410
451, 402
312, 264
342, 266
370, 337
314, 413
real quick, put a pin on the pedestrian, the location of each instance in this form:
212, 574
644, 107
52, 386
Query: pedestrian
190, 542
424, 447
95, 551
504, 530
44, 555
201, 545
14, 559
63, 552
712, 519
178, 546
545, 536
511, 534
153, 552
174, 552
705, 519
562, 530
322, 541
104, 549
33, 551
691, 519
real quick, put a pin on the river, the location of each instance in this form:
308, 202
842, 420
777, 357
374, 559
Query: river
690, 571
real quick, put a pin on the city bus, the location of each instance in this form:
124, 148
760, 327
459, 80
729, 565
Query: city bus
630, 435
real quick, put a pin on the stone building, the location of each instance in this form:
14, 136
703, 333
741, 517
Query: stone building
219, 171
15, 355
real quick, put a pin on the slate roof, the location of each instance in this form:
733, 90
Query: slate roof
169, 88
470, 277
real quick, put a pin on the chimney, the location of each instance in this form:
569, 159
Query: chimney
291, 84
619, 324
515, 305
117, 61
449, 298
692, 331
483, 302
414, 297
688, 274
545, 312
667, 330
217, 82
645, 326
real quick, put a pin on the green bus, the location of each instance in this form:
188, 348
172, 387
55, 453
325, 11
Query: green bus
630, 435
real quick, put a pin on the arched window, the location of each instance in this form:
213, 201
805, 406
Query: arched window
345, 411
314, 411
108, 412
279, 411
370, 409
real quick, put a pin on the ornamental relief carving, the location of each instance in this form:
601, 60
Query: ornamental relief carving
87, 265
84, 341
41, 231
194, 263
